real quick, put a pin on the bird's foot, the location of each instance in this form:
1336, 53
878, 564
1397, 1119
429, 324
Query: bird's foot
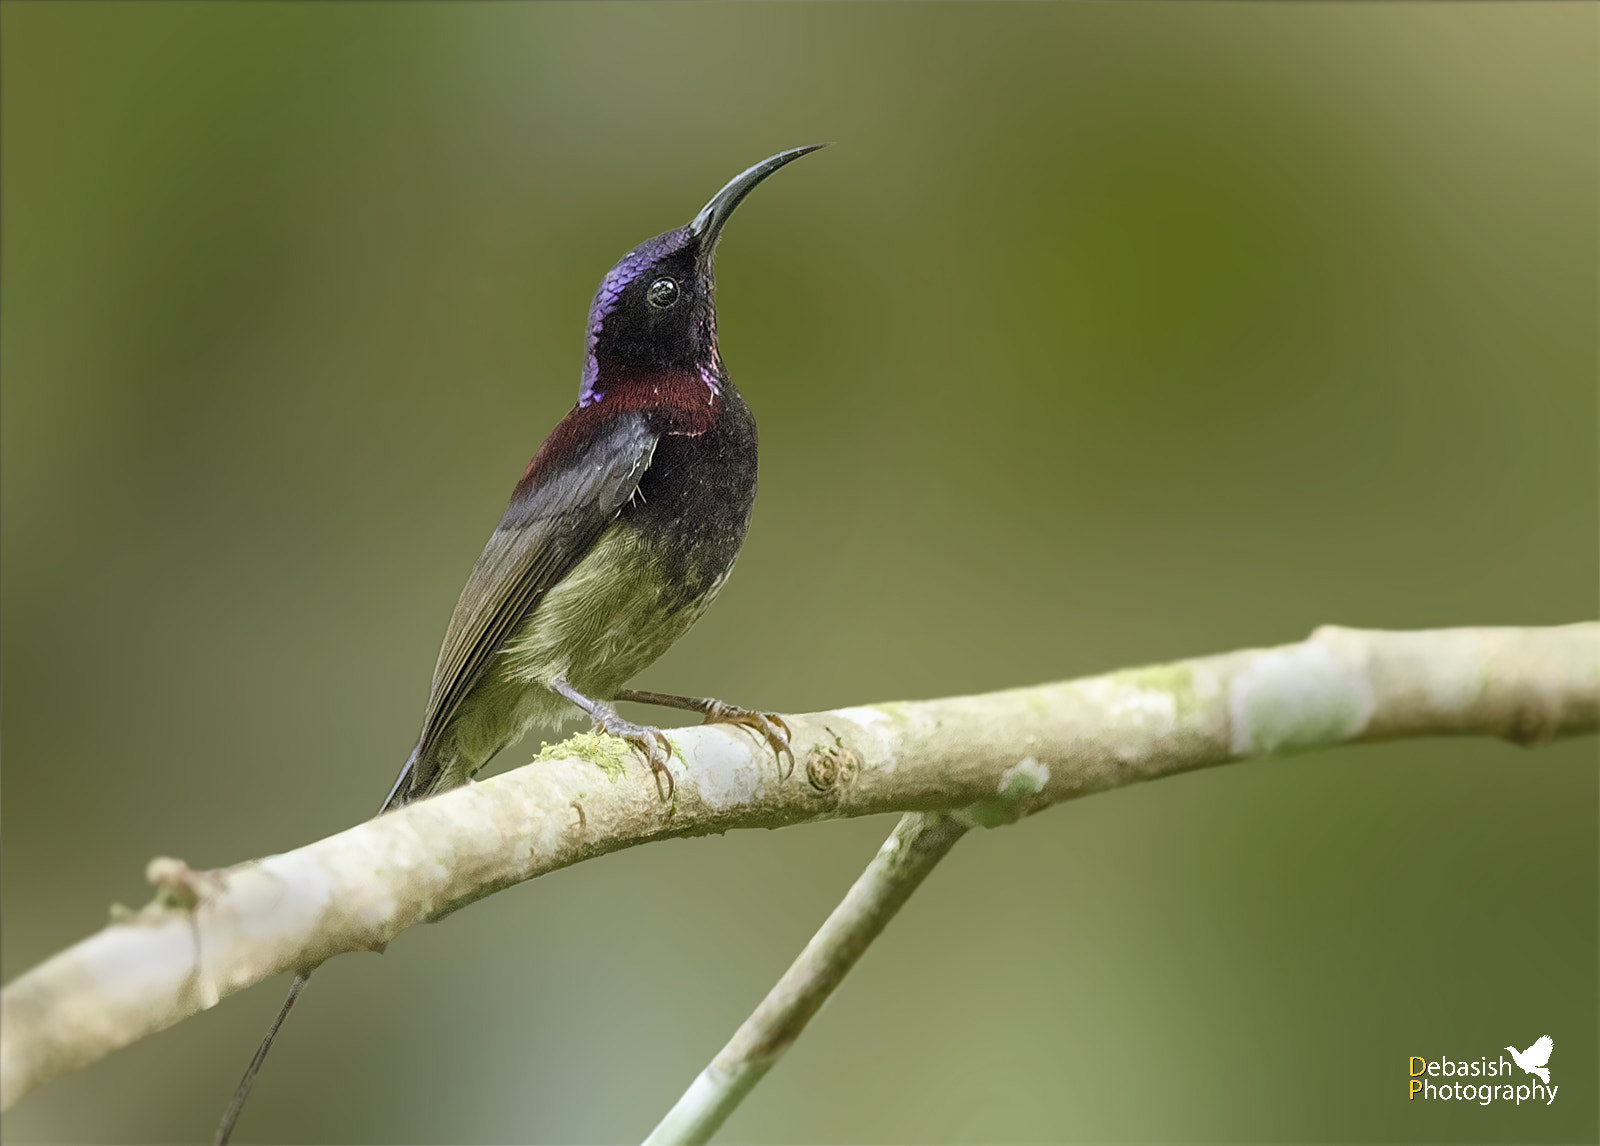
651, 742
771, 727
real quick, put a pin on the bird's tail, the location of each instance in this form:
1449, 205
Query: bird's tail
398, 795
1543, 1073
231, 1116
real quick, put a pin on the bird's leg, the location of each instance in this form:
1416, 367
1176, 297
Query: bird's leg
771, 727
651, 741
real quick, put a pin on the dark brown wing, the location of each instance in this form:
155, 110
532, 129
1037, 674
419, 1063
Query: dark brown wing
574, 489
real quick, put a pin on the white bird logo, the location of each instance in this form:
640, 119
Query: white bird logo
1533, 1059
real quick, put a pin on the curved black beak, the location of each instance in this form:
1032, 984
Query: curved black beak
707, 225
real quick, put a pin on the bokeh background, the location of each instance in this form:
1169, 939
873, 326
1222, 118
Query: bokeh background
1106, 335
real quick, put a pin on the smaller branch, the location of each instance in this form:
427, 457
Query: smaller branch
918, 842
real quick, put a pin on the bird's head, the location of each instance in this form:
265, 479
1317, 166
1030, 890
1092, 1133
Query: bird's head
656, 310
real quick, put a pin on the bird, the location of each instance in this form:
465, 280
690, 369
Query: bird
620, 533
1533, 1059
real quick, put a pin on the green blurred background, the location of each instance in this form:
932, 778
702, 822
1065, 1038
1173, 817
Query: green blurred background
1106, 335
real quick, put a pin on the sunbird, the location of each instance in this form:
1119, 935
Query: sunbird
621, 532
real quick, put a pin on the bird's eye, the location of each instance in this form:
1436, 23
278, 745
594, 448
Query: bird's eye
662, 293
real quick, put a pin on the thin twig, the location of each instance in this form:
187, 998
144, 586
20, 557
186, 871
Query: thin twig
989, 759
918, 842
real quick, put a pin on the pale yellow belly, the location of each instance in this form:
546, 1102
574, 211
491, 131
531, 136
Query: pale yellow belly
605, 622
608, 619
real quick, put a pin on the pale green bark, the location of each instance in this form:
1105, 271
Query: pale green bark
989, 758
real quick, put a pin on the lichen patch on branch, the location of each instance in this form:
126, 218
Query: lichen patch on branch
608, 753
724, 772
1011, 801
1297, 697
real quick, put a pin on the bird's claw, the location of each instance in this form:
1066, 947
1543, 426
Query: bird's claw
651, 742
772, 727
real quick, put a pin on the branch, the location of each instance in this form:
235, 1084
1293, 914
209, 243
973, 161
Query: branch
919, 841
990, 759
